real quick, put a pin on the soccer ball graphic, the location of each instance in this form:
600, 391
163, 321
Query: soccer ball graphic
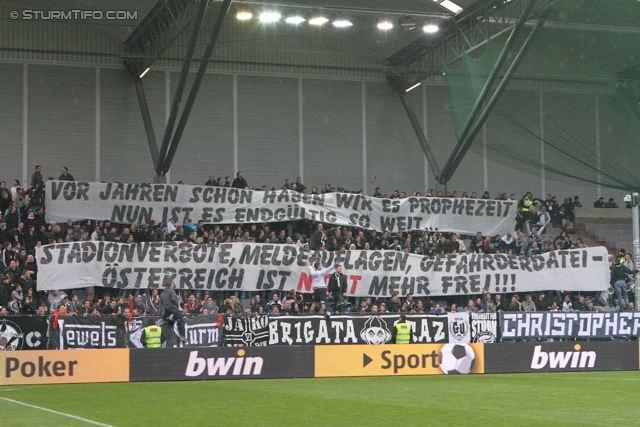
456, 358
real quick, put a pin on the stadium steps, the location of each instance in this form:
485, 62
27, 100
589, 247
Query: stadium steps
612, 234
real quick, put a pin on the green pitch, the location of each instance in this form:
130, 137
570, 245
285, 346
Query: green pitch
584, 399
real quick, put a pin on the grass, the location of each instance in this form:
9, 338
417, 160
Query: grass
585, 399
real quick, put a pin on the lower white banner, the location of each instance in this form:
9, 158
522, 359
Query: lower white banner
265, 267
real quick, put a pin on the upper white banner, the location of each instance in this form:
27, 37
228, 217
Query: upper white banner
265, 267
141, 203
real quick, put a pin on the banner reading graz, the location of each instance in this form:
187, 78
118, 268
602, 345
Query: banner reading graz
141, 203
264, 267
298, 330
569, 325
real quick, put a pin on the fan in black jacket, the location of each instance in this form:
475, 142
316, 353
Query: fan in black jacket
618, 276
337, 287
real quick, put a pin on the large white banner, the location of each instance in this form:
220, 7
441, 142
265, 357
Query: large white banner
264, 267
141, 203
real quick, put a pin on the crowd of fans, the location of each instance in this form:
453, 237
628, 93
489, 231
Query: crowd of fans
23, 228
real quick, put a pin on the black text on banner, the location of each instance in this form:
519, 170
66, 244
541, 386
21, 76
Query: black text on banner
141, 203
485, 327
302, 330
265, 267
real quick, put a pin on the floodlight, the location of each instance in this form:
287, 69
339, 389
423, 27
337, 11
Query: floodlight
385, 25
244, 14
270, 17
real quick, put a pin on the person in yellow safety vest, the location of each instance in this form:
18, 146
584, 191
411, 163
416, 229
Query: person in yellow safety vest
622, 256
152, 336
402, 331
526, 204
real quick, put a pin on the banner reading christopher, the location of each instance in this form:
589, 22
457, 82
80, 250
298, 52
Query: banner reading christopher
141, 203
264, 267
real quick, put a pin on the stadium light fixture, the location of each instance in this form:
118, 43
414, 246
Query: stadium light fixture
317, 19
243, 14
145, 72
340, 21
294, 18
430, 27
268, 17
385, 25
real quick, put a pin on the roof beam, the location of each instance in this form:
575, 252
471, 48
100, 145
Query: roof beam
450, 167
488, 85
162, 25
484, 21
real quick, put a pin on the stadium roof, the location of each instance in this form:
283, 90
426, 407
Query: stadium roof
604, 31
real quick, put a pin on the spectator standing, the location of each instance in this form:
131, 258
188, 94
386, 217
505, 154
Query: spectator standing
580, 305
337, 289
36, 177
152, 336
239, 182
401, 334
55, 298
541, 303
618, 276
528, 304
514, 305
544, 219
489, 305
319, 285
65, 175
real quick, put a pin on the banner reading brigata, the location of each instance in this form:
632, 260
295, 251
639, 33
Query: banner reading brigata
141, 203
264, 267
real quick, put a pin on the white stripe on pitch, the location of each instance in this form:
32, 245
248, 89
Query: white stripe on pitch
56, 412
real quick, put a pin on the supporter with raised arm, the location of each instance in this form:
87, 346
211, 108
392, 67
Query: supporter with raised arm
319, 285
